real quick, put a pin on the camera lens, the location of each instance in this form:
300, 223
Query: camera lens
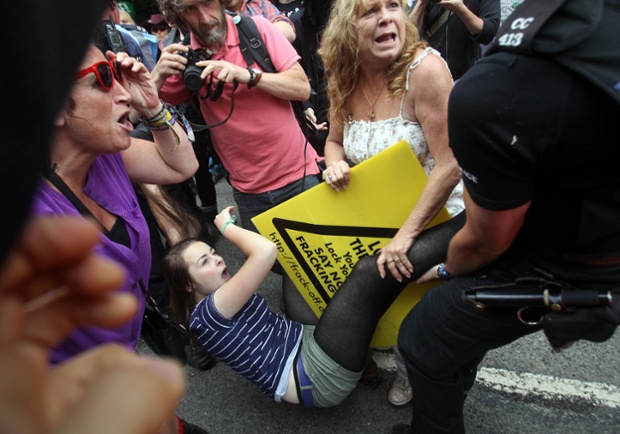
192, 79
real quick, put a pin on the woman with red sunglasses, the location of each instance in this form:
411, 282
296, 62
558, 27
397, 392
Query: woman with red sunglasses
93, 163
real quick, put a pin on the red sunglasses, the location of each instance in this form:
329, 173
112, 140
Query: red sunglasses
105, 71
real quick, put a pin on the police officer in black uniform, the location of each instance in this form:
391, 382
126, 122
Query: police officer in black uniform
531, 125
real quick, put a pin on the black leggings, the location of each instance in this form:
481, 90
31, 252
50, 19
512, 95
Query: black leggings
346, 327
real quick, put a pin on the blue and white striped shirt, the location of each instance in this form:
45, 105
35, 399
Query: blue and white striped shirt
256, 343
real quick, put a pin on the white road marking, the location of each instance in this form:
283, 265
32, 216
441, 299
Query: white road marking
545, 387
550, 388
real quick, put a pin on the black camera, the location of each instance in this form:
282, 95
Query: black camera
191, 75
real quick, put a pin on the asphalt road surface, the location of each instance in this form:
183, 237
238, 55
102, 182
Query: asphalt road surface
521, 388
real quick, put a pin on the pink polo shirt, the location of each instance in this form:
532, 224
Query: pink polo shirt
261, 145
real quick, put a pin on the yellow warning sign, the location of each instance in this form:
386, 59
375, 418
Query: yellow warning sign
321, 233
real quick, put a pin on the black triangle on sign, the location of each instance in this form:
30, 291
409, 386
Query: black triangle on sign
326, 283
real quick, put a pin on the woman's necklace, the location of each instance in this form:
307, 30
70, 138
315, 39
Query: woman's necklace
371, 111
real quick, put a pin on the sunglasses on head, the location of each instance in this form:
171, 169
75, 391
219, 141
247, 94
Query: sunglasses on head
105, 71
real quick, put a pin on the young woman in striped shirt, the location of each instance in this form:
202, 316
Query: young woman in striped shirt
313, 365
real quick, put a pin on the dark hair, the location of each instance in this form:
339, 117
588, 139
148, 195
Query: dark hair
182, 301
172, 10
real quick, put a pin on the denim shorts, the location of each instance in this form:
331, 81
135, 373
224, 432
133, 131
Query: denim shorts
331, 383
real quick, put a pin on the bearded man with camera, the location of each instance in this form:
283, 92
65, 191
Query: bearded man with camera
257, 136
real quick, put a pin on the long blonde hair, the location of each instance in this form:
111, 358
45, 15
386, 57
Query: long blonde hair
339, 51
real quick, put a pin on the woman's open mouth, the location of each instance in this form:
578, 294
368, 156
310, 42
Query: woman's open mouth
386, 37
125, 123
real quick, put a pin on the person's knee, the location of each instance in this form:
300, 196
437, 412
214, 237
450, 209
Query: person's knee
366, 266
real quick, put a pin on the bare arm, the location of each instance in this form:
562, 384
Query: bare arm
290, 85
261, 255
172, 158
338, 173
472, 21
417, 13
287, 30
277, 18
431, 108
167, 161
484, 238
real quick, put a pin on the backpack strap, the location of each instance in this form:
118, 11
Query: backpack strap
254, 51
251, 43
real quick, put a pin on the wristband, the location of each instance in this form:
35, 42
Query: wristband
443, 274
165, 123
157, 116
232, 220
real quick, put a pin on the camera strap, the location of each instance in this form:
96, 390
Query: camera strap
254, 52
60, 184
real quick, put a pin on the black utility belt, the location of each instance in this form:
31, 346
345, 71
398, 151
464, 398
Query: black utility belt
535, 293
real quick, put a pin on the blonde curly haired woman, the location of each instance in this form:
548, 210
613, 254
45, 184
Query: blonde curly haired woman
385, 85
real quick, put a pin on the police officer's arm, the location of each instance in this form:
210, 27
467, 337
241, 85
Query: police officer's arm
484, 238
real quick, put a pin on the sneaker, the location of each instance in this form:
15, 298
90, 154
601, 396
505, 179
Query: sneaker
189, 428
400, 393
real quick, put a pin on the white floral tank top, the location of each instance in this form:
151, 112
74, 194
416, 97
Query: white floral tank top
363, 139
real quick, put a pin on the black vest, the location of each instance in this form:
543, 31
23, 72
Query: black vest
582, 35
